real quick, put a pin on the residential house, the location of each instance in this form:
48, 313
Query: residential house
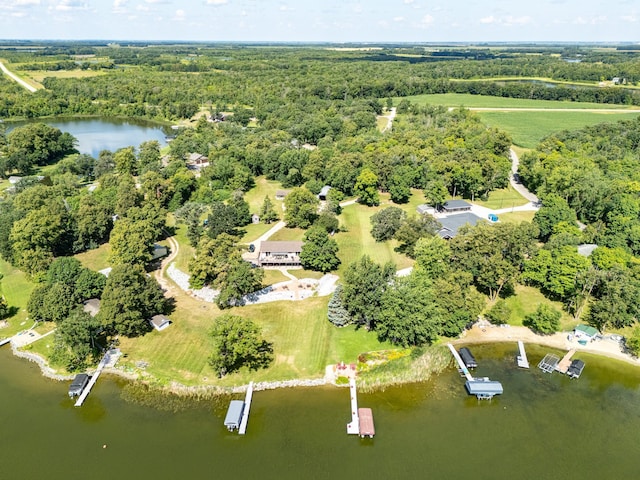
279, 254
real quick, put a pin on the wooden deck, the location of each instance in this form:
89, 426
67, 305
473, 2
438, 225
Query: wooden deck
565, 363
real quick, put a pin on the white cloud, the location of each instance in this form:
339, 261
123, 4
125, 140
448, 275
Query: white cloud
180, 15
407, 2
489, 19
120, 6
507, 21
398, 19
24, 3
68, 5
217, 2
629, 18
427, 20
596, 20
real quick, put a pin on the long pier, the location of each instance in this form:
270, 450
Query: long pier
353, 428
523, 362
463, 368
245, 413
94, 378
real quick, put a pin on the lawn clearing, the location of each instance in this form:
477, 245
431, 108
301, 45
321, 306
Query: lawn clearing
528, 128
503, 198
16, 289
526, 301
485, 101
516, 217
39, 75
274, 276
96, 259
264, 188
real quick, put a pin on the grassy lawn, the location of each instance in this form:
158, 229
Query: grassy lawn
527, 299
382, 123
302, 273
357, 240
274, 276
516, 217
484, 101
40, 75
254, 231
16, 289
186, 250
288, 234
528, 128
264, 188
95, 259
503, 198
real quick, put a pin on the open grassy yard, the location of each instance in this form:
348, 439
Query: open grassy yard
40, 75
16, 289
528, 128
95, 259
517, 217
264, 188
527, 299
503, 198
484, 101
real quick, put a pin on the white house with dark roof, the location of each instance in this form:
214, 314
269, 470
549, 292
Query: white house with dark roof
279, 254
160, 322
452, 223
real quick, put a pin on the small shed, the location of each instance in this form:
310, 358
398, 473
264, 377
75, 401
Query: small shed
159, 251
92, 306
324, 192
234, 415
453, 206
255, 218
585, 332
160, 322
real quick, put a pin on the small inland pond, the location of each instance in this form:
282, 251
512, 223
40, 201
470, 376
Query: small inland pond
544, 426
95, 134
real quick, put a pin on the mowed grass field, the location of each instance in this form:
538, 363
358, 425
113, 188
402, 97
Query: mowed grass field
16, 289
528, 128
485, 101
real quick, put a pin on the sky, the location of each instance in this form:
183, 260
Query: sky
323, 20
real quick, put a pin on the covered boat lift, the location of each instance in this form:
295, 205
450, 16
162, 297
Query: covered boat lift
234, 415
484, 389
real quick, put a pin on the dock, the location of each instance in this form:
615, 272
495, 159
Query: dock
549, 363
565, 363
5, 341
353, 428
367, 429
110, 355
523, 362
461, 366
245, 413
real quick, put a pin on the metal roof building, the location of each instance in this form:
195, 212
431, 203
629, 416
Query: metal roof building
234, 415
483, 388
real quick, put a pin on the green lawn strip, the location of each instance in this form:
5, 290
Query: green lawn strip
516, 217
349, 342
381, 123
485, 101
16, 289
254, 231
503, 198
96, 259
274, 276
527, 299
525, 80
302, 273
528, 128
288, 234
186, 251
264, 187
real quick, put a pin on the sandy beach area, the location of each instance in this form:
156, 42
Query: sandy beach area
487, 333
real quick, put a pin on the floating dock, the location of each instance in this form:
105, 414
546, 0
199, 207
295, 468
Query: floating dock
462, 368
523, 362
565, 363
245, 413
108, 357
367, 429
549, 363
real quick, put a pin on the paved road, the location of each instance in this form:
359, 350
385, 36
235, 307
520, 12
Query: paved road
13, 76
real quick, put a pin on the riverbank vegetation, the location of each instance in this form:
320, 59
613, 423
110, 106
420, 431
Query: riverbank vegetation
303, 119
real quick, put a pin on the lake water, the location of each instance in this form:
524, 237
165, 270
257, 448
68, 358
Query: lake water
543, 427
97, 134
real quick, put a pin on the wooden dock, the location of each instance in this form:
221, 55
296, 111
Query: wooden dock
565, 363
108, 356
245, 413
353, 428
523, 362
461, 366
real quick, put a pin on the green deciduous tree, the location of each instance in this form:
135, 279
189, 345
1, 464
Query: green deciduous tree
386, 222
191, 214
319, 252
129, 300
212, 258
238, 343
366, 188
554, 210
301, 208
499, 313
545, 320
267, 213
78, 340
239, 279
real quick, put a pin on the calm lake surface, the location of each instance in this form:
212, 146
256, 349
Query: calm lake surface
97, 134
543, 427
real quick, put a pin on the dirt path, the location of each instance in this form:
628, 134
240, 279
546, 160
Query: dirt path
166, 285
16, 78
483, 333
515, 183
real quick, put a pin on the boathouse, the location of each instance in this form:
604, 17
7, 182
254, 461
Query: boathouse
234, 415
78, 384
483, 388
468, 358
576, 368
